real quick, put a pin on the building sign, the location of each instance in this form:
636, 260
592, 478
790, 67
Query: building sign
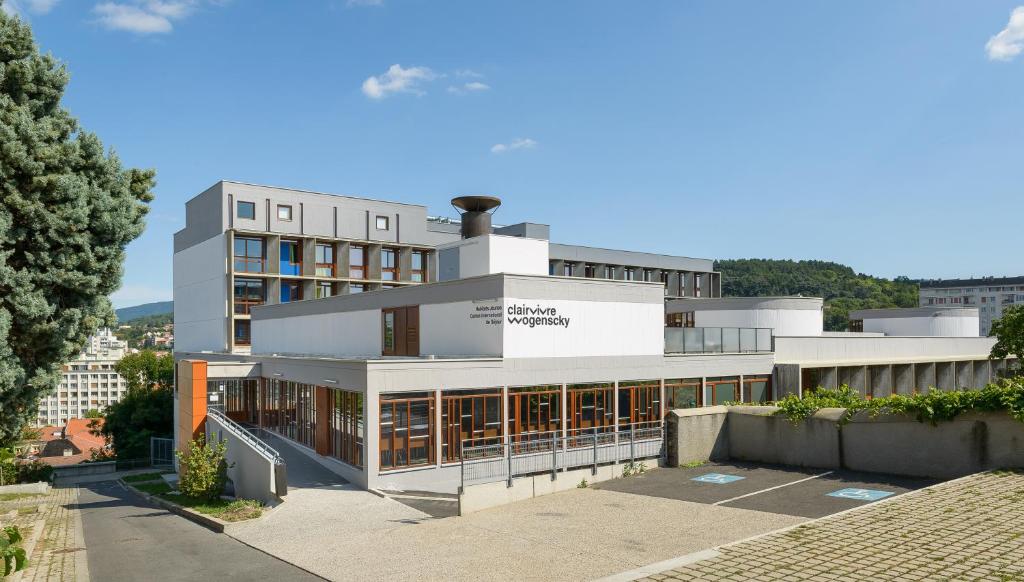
486, 312
536, 316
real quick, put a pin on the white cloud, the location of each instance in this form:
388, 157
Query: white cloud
1010, 41
397, 80
144, 16
19, 7
520, 143
471, 87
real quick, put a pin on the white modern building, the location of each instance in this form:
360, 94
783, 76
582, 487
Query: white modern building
88, 382
989, 295
496, 364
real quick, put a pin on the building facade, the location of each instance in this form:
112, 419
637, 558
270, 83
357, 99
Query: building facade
989, 295
246, 245
88, 382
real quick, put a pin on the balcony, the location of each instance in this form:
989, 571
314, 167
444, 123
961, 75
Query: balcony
717, 340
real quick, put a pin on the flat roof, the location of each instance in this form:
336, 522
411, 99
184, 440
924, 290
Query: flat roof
982, 281
905, 312
731, 303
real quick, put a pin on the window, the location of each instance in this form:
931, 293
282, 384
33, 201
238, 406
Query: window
639, 404
682, 319
400, 331
291, 291
289, 408
470, 418
249, 255
248, 292
856, 325
357, 262
346, 429
682, 393
551, 268
389, 265
291, 257
630, 274
406, 430
534, 413
356, 288
284, 212
246, 210
324, 260
723, 390
382, 223
648, 275
609, 272
589, 271
243, 333
419, 266
697, 284
324, 289
591, 408
757, 389
567, 269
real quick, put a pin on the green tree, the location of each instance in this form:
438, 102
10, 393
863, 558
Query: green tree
68, 209
146, 369
1009, 333
142, 413
93, 413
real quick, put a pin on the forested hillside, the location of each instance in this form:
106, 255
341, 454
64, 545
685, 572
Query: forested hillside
842, 288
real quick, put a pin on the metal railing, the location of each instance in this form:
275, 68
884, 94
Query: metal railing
552, 452
265, 450
717, 340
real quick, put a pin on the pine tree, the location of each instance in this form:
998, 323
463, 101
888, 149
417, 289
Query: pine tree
68, 209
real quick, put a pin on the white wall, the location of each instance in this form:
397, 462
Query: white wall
837, 350
461, 328
948, 326
595, 328
489, 254
794, 322
201, 296
339, 335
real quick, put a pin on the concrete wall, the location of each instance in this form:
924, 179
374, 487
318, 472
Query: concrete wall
351, 333
487, 495
963, 326
484, 255
696, 434
201, 296
253, 474
891, 444
812, 351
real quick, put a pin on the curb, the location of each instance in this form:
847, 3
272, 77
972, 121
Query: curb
209, 522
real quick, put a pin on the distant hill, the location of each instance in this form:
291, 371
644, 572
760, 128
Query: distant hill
842, 288
146, 309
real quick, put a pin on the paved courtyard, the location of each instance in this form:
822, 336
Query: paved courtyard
967, 529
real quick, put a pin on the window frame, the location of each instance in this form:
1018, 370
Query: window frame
361, 268
385, 220
391, 444
327, 265
289, 284
288, 210
246, 260
245, 302
393, 272
419, 275
293, 269
239, 204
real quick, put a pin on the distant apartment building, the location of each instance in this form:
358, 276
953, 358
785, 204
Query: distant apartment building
246, 245
990, 295
88, 382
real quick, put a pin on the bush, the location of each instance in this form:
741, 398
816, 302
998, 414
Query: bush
11, 550
932, 406
204, 473
34, 472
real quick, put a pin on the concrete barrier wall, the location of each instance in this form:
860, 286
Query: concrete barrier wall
487, 495
40, 488
252, 474
84, 469
892, 444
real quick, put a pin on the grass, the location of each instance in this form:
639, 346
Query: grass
153, 488
238, 510
16, 496
692, 464
141, 478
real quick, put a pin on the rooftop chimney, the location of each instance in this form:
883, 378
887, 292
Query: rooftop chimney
476, 214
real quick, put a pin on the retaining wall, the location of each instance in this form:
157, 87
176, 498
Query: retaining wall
253, 475
892, 444
487, 495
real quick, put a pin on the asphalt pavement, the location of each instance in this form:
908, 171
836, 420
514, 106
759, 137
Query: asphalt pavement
128, 539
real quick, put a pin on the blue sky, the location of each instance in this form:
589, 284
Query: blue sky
884, 135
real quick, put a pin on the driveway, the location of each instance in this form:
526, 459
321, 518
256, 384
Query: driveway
128, 539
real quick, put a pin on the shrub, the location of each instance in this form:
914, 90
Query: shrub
11, 550
34, 472
203, 469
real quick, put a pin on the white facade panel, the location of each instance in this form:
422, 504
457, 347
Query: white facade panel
839, 350
461, 328
201, 296
522, 256
947, 326
791, 322
338, 335
562, 328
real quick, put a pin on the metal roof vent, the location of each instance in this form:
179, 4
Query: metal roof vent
476, 214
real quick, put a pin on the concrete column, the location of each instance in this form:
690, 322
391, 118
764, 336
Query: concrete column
405, 264
704, 391
371, 440
564, 409
440, 431
903, 379
982, 373
272, 251
964, 375
308, 268
308, 289
505, 414
555, 267
945, 376
373, 260
615, 408
741, 386
341, 258
273, 290
661, 399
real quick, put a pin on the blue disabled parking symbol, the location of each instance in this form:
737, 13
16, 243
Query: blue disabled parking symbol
860, 494
717, 478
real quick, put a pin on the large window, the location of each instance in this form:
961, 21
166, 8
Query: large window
289, 408
324, 260
357, 262
243, 333
406, 430
722, 390
291, 257
591, 408
347, 430
469, 418
388, 265
240, 397
419, 266
324, 289
291, 291
400, 329
757, 389
246, 210
248, 292
682, 393
683, 319
639, 404
249, 255
534, 412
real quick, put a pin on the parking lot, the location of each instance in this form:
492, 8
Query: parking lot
787, 490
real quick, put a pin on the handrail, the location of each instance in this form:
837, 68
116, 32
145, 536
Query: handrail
266, 451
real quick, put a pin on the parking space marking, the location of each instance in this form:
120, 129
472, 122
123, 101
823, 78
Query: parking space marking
717, 478
860, 494
774, 488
